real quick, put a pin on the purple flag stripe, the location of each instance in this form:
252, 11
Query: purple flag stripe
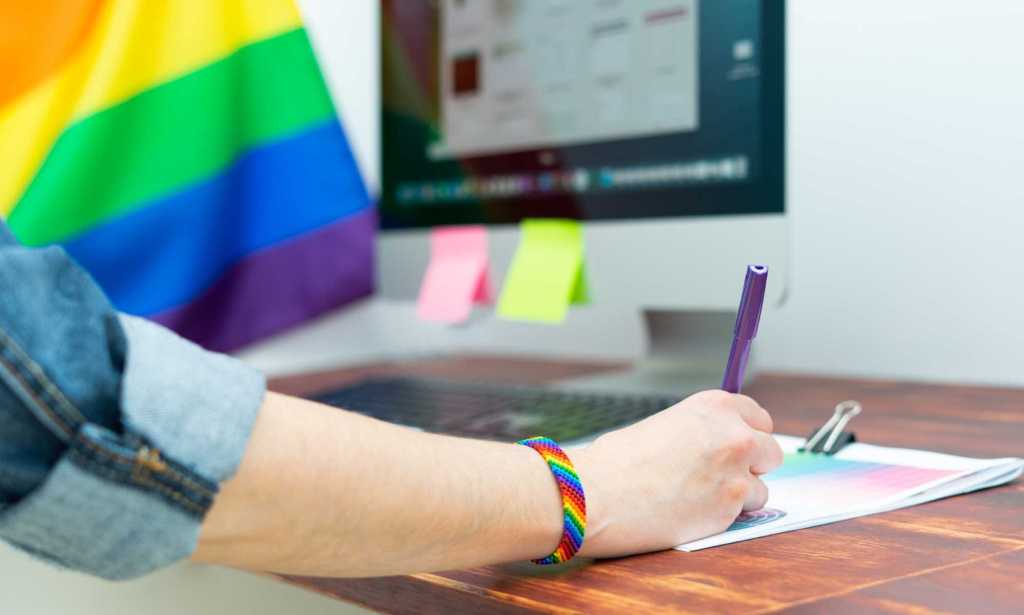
280, 286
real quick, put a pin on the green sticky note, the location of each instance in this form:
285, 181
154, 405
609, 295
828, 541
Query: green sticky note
547, 274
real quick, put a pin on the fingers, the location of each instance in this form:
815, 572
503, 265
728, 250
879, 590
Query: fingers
746, 493
757, 495
753, 414
767, 454
749, 410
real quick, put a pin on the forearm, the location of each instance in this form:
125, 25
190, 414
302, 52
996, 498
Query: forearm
325, 492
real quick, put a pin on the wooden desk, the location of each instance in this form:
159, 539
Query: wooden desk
962, 554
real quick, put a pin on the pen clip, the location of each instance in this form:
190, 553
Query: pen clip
830, 437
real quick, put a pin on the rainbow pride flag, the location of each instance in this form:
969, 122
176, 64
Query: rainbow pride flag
187, 154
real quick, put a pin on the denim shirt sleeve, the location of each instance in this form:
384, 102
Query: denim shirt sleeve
114, 432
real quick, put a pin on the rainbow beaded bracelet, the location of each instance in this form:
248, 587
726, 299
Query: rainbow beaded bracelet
574, 503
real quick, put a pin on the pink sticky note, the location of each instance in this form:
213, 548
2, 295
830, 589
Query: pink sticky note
457, 276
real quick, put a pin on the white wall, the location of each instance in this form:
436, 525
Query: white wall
906, 142
906, 133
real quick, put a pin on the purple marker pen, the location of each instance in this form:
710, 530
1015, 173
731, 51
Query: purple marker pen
747, 318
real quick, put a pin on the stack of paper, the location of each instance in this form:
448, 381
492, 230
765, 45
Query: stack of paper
861, 479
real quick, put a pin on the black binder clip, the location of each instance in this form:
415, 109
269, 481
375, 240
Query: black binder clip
830, 438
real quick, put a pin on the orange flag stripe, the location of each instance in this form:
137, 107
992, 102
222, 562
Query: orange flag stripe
37, 38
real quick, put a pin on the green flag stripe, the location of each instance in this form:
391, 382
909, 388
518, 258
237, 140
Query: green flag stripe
172, 136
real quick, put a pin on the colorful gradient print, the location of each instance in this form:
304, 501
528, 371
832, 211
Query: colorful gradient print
836, 483
842, 482
188, 155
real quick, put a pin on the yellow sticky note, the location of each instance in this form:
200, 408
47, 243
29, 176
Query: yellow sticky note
547, 274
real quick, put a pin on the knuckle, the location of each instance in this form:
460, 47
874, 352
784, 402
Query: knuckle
743, 444
747, 399
760, 411
734, 490
715, 398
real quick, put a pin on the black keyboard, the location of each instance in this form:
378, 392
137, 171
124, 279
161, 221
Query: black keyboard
492, 411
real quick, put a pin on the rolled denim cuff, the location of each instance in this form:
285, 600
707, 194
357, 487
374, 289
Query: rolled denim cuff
85, 521
197, 407
120, 505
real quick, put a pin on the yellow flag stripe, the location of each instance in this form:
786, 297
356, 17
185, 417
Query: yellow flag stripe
134, 46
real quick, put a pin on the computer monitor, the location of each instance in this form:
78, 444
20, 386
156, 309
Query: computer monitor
658, 123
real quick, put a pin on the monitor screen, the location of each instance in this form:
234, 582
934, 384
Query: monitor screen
497, 110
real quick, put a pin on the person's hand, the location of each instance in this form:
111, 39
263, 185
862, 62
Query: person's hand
677, 476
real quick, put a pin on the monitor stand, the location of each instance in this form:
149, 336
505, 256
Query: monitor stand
686, 353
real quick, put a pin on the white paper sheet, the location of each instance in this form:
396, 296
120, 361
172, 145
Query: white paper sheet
862, 479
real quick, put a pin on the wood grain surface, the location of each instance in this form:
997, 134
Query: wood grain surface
962, 554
